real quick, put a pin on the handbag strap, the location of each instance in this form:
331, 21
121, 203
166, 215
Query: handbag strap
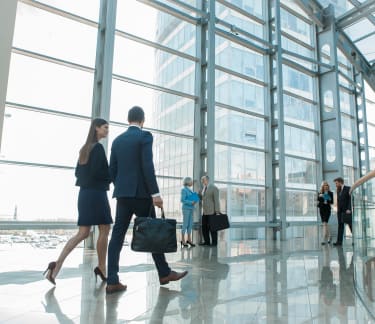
162, 212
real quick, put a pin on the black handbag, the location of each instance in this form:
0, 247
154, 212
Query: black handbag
154, 235
218, 222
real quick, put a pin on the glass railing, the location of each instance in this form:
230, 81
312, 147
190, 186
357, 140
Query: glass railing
363, 198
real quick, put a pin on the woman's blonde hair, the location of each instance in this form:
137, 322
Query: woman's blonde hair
322, 186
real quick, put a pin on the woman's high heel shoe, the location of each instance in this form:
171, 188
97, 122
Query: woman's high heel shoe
49, 270
190, 243
183, 244
99, 273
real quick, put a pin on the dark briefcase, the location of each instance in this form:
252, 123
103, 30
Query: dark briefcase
154, 235
218, 222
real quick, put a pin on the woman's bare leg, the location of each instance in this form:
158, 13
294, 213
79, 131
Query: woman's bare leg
101, 247
83, 232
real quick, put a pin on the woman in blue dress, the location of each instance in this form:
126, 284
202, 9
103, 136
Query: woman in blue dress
325, 200
93, 178
188, 200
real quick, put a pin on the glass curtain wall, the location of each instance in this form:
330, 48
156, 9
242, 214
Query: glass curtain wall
240, 108
370, 115
156, 66
48, 108
300, 112
348, 119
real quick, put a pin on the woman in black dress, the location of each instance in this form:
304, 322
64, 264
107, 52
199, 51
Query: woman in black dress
93, 207
325, 200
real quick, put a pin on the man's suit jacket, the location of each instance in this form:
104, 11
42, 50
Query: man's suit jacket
131, 165
210, 200
344, 201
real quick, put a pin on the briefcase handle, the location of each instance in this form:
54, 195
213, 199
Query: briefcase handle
162, 212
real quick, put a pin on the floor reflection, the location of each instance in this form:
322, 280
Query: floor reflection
249, 281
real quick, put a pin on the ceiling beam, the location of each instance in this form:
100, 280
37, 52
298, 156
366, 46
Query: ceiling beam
354, 55
357, 13
325, 16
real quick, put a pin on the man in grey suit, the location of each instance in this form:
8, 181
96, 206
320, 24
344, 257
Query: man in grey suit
211, 207
136, 190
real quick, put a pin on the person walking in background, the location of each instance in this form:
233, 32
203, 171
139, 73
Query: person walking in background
93, 207
344, 209
211, 207
136, 190
325, 199
188, 200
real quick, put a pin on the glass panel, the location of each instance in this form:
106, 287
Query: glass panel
173, 4
346, 127
299, 112
243, 204
42, 138
144, 63
239, 165
369, 92
300, 173
298, 49
345, 102
301, 206
328, 101
331, 150
347, 153
239, 59
348, 175
295, 27
370, 112
254, 7
161, 27
239, 93
371, 135
171, 192
298, 82
163, 111
235, 18
173, 156
299, 142
292, 5
371, 152
38, 194
47, 85
325, 55
238, 128
49, 34
85, 8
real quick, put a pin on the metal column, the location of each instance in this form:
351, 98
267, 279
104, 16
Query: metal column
278, 144
362, 140
101, 99
8, 9
331, 138
210, 103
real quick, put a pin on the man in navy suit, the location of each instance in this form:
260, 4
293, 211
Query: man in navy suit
136, 189
344, 209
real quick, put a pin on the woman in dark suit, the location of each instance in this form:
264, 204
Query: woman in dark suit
325, 200
93, 178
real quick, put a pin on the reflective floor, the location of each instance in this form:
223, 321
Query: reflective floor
248, 281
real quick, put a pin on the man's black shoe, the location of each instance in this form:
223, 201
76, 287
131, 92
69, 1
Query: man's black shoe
337, 244
204, 243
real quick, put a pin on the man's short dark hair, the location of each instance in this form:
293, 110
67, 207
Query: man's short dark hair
136, 114
339, 179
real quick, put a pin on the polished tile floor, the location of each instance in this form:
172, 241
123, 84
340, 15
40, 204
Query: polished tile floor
245, 281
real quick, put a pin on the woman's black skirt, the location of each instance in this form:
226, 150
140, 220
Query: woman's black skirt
93, 207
